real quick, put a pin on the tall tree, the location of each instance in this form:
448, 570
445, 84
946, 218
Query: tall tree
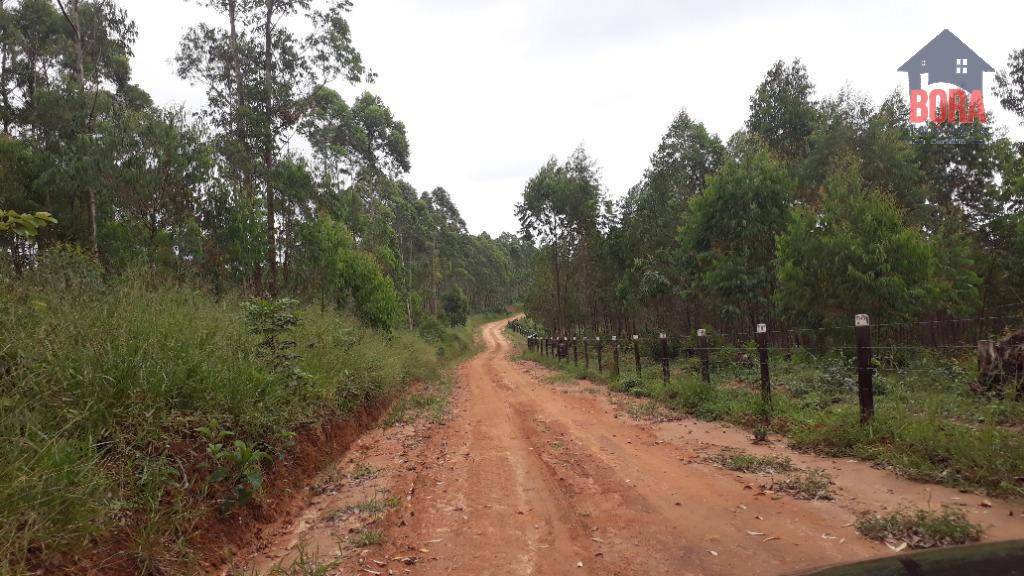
266, 66
729, 242
781, 110
560, 209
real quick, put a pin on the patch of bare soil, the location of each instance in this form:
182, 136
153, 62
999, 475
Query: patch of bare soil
531, 476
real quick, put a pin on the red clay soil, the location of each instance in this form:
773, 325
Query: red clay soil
533, 477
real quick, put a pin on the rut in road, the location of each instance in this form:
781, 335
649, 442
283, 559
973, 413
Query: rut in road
528, 477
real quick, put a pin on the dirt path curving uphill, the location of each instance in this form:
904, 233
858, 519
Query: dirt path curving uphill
531, 477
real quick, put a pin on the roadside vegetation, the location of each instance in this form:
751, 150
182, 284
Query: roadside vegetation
928, 426
134, 408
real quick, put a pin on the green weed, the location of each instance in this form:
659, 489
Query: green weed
306, 564
366, 538
920, 528
377, 505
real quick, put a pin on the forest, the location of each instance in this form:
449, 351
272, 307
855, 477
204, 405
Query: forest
820, 208
226, 196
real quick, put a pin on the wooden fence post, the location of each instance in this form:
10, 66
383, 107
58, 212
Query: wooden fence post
600, 364
705, 364
664, 357
586, 355
636, 353
615, 356
865, 371
762, 353
575, 356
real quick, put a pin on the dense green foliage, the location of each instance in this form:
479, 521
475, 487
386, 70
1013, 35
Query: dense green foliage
122, 397
221, 195
816, 211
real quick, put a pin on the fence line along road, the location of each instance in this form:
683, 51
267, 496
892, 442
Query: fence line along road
949, 334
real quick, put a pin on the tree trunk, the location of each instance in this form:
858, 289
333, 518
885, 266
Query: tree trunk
74, 19
241, 132
559, 313
80, 77
268, 146
408, 283
434, 276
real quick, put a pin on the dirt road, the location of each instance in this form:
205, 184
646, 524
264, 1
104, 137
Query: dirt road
530, 476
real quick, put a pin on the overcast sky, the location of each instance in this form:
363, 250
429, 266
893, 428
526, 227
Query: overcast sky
490, 89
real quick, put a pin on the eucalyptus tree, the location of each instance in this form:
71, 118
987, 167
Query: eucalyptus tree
263, 80
560, 211
782, 111
1010, 84
653, 211
728, 243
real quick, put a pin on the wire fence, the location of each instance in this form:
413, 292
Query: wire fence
857, 354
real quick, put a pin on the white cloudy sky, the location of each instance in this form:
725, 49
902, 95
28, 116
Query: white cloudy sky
489, 89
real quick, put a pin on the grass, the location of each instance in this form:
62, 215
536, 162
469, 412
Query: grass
920, 528
377, 505
927, 424
739, 461
105, 384
366, 538
306, 564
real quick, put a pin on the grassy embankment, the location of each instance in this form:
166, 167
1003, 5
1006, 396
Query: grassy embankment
928, 426
135, 411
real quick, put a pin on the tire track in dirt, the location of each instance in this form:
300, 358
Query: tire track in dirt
528, 477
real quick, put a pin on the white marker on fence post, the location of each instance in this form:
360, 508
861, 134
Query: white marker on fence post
766, 382
636, 353
664, 357
705, 363
865, 372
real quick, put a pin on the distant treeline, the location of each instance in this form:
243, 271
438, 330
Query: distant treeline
816, 211
225, 196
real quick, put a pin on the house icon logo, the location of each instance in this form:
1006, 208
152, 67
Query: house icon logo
946, 60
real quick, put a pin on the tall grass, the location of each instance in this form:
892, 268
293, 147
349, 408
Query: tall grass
104, 383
